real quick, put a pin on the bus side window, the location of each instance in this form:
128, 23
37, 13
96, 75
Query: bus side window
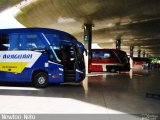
96, 54
107, 55
4, 42
22, 42
113, 55
13, 40
31, 42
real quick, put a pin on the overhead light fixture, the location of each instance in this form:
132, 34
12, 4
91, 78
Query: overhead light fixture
110, 40
126, 40
65, 20
110, 25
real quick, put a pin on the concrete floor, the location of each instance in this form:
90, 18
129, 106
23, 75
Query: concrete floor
99, 93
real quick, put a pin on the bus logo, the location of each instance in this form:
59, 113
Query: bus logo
17, 56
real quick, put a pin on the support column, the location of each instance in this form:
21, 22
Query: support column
118, 44
88, 41
131, 51
147, 55
144, 54
139, 53
131, 57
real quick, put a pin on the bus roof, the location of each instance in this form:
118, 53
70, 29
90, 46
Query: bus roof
41, 30
114, 50
12, 30
30, 30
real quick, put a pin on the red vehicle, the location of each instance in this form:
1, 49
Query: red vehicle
110, 60
141, 63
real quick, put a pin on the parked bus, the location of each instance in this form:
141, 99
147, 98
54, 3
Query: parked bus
110, 60
142, 63
40, 56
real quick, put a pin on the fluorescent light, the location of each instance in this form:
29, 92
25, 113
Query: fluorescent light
65, 20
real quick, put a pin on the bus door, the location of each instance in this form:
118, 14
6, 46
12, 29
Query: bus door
69, 61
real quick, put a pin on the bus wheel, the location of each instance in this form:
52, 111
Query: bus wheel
40, 80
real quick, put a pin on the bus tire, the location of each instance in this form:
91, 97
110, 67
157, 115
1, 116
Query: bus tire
40, 80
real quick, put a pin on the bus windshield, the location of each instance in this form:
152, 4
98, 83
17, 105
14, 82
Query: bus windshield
53, 46
100, 55
123, 58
